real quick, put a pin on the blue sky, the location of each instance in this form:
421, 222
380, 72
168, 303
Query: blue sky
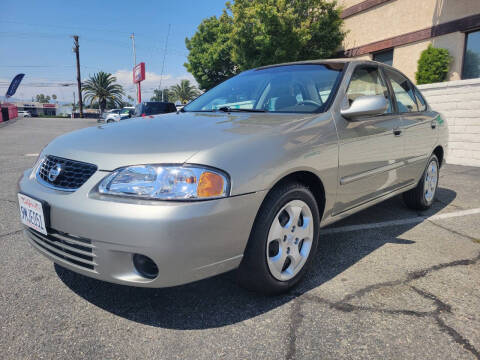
35, 38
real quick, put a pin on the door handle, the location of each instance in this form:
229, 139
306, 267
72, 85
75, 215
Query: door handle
433, 124
397, 132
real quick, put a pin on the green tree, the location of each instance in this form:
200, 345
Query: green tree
210, 49
157, 95
183, 92
103, 89
433, 65
275, 31
54, 97
41, 98
255, 33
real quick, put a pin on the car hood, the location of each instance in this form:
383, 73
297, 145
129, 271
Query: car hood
166, 139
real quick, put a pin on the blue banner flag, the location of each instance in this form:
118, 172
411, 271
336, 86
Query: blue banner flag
14, 85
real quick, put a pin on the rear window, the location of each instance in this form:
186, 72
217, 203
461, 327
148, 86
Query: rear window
153, 108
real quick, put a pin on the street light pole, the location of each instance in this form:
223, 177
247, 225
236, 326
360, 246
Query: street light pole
134, 57
164, 55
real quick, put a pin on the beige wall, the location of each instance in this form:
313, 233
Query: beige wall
388, 20
347, 3
400, 17
454, 43
405, 58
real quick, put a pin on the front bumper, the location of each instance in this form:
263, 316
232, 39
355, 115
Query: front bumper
187, 240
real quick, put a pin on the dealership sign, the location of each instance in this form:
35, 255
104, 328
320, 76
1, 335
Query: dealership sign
139, 73
138, 77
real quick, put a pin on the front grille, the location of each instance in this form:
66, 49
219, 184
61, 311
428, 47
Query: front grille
72, 249
72, 175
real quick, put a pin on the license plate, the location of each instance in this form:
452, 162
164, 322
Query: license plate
32, 213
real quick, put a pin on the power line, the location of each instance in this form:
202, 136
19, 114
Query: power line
164, 56
69, 27
113, 43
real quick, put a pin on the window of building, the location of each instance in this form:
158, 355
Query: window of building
471, 62
385, 57
404, 93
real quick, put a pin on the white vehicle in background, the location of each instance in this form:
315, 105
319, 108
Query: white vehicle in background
112, 115
24, 114
119, 114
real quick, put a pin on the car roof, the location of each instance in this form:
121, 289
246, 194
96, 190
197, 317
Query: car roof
325, 61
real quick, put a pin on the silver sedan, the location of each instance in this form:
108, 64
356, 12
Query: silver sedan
243, 177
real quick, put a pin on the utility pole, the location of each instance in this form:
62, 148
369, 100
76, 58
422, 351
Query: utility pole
73, 107
164, 55
134, 58
79, 79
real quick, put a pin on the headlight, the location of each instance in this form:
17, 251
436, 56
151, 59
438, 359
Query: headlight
166, 182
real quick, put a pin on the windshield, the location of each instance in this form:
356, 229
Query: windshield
290, 88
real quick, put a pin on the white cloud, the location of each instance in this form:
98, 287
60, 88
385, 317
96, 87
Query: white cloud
151, 82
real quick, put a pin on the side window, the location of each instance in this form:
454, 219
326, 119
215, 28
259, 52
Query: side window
366, 80
422, 105
404, 93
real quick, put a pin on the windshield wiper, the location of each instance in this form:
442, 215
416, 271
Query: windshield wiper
229, 109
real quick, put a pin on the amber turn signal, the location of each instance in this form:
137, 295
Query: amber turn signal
210, 185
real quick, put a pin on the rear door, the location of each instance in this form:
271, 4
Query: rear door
370, 149
418, 125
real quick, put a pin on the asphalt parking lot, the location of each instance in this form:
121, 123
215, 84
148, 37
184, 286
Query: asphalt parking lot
386, 283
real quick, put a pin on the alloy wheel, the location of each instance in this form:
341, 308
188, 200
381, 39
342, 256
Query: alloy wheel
289, 240
430, 183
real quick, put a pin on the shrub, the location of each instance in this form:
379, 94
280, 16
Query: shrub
433, 65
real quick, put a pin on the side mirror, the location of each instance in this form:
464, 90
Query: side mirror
365, 106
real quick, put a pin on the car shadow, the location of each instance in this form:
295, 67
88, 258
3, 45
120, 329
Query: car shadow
219, 301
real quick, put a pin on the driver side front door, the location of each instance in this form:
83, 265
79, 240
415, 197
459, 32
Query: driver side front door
370, 147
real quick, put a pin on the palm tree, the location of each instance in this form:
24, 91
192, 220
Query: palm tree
157, 95
102, 88
183, 92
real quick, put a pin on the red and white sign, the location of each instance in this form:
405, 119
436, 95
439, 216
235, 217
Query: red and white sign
139, 73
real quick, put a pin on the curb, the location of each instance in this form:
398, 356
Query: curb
11, 121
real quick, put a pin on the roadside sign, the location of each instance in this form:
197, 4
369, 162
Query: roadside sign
139, 73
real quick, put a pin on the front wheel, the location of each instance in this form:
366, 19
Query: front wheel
283, 240
422, 196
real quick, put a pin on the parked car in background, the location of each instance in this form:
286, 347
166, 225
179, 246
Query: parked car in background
243, 177
120, 114
108, 114
127, 112
24, 114
154, 108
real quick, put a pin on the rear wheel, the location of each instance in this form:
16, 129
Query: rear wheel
422, 196
283, 240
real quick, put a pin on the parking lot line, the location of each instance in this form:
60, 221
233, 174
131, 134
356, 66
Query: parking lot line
412, 220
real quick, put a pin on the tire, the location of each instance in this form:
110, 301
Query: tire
279, 251
423, 195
